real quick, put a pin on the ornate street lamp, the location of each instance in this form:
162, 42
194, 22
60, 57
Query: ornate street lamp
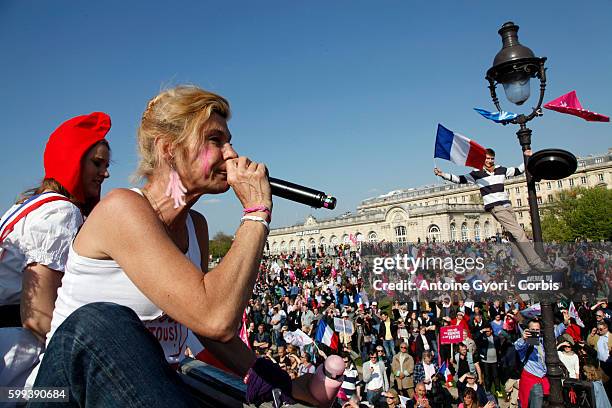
514, 66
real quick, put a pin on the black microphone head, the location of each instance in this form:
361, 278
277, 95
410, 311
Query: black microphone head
329, 202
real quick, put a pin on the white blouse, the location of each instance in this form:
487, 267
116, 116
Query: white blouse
43, 236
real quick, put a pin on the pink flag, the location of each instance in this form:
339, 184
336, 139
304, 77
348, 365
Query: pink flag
291, 275
574, 313
243, 330
570, 104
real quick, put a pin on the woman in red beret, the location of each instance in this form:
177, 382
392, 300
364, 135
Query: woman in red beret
36, 232
137, 276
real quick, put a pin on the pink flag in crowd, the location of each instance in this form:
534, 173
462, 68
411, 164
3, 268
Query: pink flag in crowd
243, 330
570, 104
574, 313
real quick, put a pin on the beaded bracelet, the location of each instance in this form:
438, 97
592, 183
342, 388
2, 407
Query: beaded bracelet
256, 219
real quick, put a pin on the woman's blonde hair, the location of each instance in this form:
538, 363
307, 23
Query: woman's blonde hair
175, 116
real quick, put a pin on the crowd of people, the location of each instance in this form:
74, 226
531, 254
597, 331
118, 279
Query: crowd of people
394, 350
96, 291
581, 267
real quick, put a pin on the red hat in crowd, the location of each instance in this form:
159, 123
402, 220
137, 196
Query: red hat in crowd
68, 144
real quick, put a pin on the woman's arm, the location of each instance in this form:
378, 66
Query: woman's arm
40, 285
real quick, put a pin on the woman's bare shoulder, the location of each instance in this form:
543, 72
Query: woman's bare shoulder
120, 201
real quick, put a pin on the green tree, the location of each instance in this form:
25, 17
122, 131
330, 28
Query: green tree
220, 244
579, 213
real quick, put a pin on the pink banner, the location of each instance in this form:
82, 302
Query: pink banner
451, 335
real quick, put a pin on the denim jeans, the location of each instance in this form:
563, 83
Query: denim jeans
107, 358
389, 346
536, 396
373, 396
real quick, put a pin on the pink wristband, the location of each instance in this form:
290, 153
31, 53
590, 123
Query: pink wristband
258, 208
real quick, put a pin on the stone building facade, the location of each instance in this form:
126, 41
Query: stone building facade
448, 212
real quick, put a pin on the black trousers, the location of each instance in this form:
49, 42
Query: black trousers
491, 376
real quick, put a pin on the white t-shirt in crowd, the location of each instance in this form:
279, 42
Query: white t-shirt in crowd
377, 381
571, 362
430, 370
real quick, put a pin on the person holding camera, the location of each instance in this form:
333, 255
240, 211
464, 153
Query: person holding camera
530, 347
489, 349
375, 377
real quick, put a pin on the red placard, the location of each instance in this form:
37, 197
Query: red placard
451, 335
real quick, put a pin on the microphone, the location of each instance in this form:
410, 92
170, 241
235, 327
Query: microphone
301, 194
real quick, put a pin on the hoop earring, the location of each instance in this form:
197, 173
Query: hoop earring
175, 189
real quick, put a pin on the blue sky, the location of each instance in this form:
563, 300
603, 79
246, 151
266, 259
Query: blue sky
342, 96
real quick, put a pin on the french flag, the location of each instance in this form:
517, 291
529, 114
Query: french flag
446, 372
326, 335
458, 149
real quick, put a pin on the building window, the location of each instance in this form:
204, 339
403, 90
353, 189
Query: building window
548, 185
571, 182
434, 233
275, 248
400, 234
539, 200
519, 202
583, 180
599, 160
323, 244
453, 232
520, 214
359, 237
522, 225
550, 198
334, 240
283, 247
477, 232
487, 229
581, 163
312, 246
463, 199
346, 239
302, 247
600, 177
538, 187
372, 237
517, 190
464, 232
292, 246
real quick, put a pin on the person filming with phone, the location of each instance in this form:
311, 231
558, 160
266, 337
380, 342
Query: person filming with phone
530, 348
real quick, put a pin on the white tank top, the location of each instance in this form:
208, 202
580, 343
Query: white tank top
88, 280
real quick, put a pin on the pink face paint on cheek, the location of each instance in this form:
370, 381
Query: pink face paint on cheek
206, 162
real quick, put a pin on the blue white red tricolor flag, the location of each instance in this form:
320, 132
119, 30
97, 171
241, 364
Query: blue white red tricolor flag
326, 335
446, 372
458, 149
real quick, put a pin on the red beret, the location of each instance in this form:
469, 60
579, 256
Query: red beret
68, 144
